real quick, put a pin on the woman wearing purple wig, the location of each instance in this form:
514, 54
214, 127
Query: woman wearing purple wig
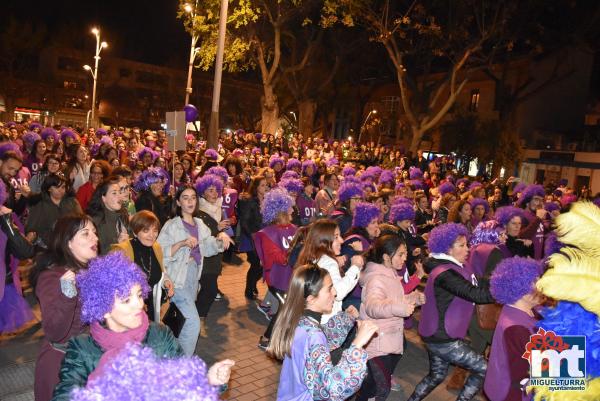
451, 290
112, 292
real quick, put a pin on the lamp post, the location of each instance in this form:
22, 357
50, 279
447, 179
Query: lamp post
193, 50
99, 46
364, 123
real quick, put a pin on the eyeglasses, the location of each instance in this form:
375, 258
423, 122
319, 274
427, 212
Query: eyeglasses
123, 189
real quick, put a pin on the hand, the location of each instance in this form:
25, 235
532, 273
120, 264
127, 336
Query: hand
169, 287
419, 298
541, 213
409, 308
341, 260
219, 373
351, 310
420, 271
223, 224
123, 236
227, 241
357, 246
364, 332
68, 276
357, 260
191, 242
25, 190
4, 210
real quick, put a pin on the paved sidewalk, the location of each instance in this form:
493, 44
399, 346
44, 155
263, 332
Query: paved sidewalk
234, 326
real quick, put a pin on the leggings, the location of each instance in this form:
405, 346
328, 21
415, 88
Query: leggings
207, 294
254, 272
269, 329
378, 382
441, 355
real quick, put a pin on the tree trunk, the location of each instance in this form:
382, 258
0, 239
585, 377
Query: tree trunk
307, 109
270, 110
415, 142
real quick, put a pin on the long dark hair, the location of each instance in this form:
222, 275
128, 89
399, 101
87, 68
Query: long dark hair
318, 241
252, 191
384, 245
96, 206
58, 252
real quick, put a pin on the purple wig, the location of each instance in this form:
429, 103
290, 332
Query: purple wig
351, 179
375, 171
519, 187
35, 125
274, 160
256, 151
403, 199
49, 132
118, 133
367, 176
211, 154
275, 201
293, 163
486, 232
290, 174
101, 132
563, 182
30, 137
332, 162
106, 278
596, 201
149, 151
292, 185
474, 185
3, 193
148, 177
399, 186
67, 133
95, 149
446, 188
237, 152
348, 190
364, 214
567, 199
401, 211
529, 192
480, 202
207, 181
369, 185
106, 140
348, 170
442, 237
418, 184
552, 244
505, 214
514, 278
126, 377
551, 207
10, 147
220, 172
387, 176
415, 173
307, 163
258, 136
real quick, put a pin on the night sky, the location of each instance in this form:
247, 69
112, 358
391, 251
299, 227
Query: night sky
141, 30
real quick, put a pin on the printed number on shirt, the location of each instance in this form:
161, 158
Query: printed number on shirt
286, 242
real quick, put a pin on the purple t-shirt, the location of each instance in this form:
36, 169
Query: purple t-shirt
193, 231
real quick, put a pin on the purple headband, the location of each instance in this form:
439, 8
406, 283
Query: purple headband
107, 277
293, 163
364, 214
348, 190
211, 154
292, 185
529, 192
442, 237
415, 173
148, 177
220, 172
348, 170
480, 202
207, 181
3, 193
275, 201
30, 137
290, 174
401, 211
486, 232
49, 132
514, 278
183, 378
505, 214
387, 176
446, 188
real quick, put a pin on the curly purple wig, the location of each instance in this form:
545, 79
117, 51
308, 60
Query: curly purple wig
403, 199
95, 149
274, 160
486, 232
149, 151
465, 181
446, 188
49, 132
367, 176
348, 190
551, 207
332, 162
258, 136
118, 133
552, 244
3, 193
207, 181
293, 163
306, 164
387, 177
415, 173
67, 133
401, 211
35, 125
480, 202
474, 185
101, 132
106, 140
290, 174
348, 170
505, 214
106, 278
418, 184
30, 137
220, 172
183, 378
292, 185
519, 187
369, 185
442, 237
237, 152
529, 192
148, 177
256, 151
10, 147
514, 278
399, 186
275, 201
375, 171
364, 214
211, 154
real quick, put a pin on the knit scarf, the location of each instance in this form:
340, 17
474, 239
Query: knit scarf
112, 342
214, 210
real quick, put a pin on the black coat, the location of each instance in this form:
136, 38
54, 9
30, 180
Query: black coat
249, 216
160, 207
211, 264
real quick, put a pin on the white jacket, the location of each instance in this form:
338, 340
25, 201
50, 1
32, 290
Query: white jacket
343, 285
176, 265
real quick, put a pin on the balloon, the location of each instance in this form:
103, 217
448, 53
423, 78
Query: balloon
191, 113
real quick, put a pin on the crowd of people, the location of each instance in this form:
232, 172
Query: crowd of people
351, 241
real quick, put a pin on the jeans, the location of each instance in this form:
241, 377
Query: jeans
184, 299
441, 355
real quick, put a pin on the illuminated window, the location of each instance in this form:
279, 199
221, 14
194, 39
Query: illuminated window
474, 100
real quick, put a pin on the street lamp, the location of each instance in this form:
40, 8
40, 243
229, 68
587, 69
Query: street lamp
99, 46
364, 123
193, 50
294, 114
